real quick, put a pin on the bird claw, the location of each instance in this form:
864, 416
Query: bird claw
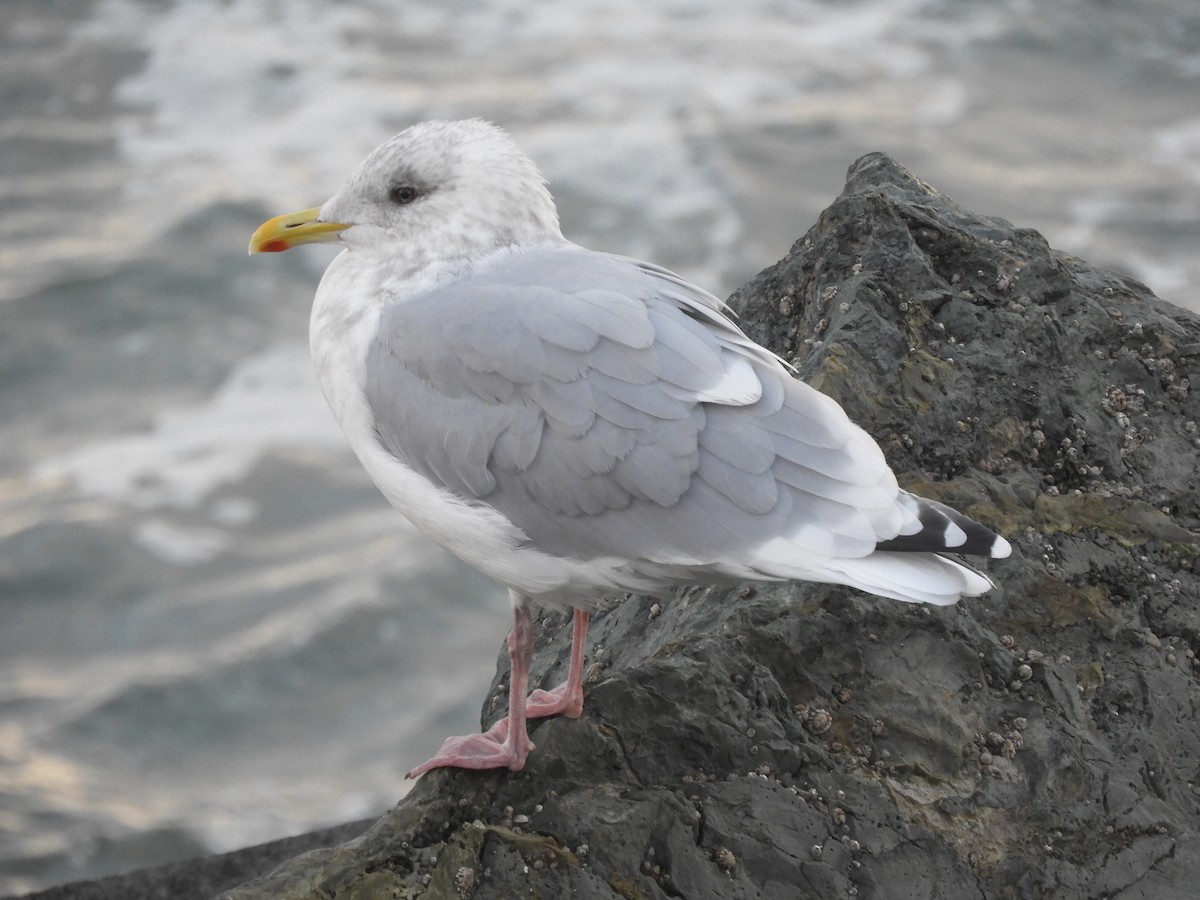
490, 750
560, 701
502, 746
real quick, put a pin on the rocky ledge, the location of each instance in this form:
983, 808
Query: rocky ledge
784, 741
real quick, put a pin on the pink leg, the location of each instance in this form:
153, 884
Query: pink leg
507, 742
567, 698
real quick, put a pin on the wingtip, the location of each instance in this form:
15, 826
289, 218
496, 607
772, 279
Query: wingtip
1001, 549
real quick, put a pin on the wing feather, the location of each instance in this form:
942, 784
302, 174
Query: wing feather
754, 492
745, 444
568, 405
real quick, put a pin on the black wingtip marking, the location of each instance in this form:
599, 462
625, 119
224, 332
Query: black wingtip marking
944, 529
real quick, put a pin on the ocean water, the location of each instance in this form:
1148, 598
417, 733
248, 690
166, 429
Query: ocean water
213, 632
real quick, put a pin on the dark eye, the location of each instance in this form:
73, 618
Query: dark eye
403, 194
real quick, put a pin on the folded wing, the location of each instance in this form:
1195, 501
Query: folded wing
631, 418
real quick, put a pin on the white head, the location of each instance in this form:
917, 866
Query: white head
439, 190
447, 184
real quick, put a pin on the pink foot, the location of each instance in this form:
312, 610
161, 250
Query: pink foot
564, 700
506, 744
490, 750
567, 698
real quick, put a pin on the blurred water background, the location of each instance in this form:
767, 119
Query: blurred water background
213, 632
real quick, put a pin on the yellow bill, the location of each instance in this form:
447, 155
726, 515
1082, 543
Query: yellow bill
285, 232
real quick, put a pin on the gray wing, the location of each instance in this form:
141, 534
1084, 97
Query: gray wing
609, 408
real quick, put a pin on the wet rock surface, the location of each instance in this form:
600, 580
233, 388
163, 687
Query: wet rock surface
786, 741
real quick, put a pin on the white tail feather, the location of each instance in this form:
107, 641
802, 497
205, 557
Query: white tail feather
911, 577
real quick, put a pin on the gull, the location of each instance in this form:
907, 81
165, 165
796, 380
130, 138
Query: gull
579, 425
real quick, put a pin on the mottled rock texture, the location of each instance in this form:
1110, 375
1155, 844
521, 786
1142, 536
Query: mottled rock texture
790, 741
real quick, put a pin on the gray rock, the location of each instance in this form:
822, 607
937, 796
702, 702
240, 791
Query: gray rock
198, 879
789, 741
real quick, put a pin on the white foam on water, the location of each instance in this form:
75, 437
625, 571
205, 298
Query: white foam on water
181, 544
245, 100
1179, 145
268, 401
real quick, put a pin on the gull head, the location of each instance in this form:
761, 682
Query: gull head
438, 191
